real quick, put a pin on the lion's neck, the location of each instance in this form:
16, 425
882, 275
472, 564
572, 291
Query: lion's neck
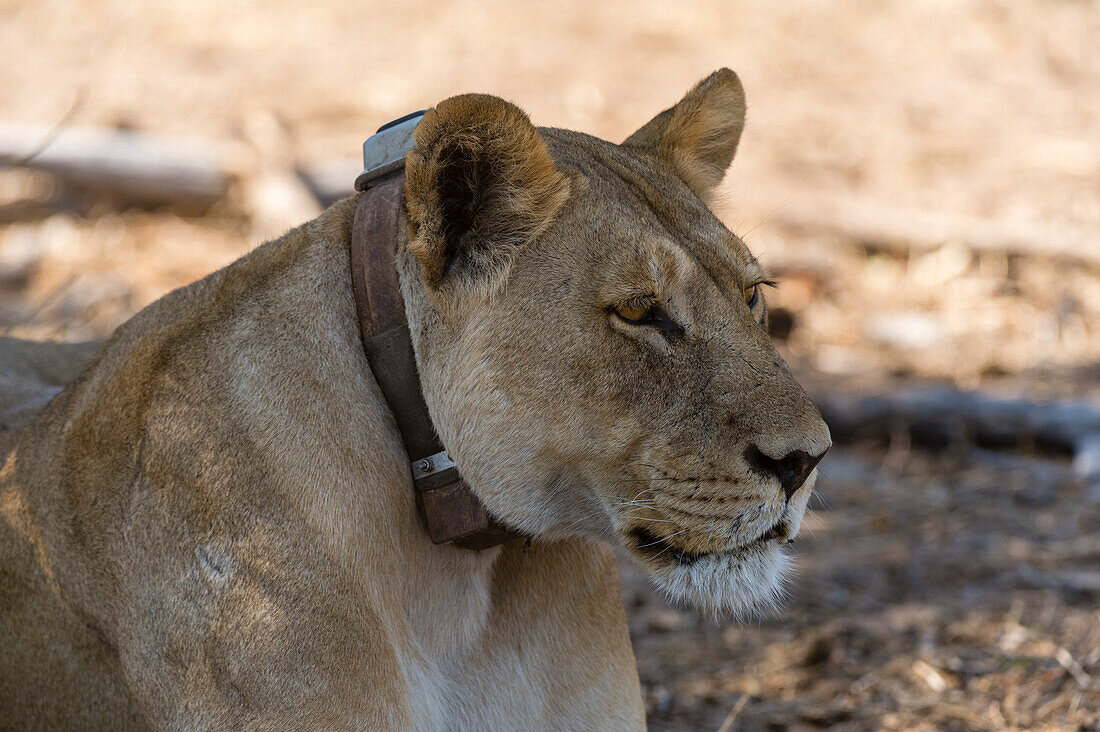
338, 456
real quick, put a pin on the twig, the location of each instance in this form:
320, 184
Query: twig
49, 137
50, 297
1066, 660
727, 723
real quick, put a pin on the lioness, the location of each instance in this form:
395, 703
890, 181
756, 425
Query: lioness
213, 527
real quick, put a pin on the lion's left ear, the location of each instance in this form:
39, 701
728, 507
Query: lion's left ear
479, 183
700, 134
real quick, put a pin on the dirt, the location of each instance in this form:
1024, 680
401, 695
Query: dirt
956, 590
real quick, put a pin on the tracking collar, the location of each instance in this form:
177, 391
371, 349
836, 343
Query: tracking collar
450, 509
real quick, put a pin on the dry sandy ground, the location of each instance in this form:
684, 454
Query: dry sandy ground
905, 167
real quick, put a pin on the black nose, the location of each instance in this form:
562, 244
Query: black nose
792, 469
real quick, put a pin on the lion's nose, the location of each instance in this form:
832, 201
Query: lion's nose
792, 469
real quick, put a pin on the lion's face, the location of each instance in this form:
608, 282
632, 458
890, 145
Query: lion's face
602, 367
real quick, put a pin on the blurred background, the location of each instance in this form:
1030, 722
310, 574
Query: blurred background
922, 177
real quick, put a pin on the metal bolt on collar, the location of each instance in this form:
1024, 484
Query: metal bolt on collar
425, 465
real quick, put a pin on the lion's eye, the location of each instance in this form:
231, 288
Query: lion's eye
633, 313
752, 294
649, 315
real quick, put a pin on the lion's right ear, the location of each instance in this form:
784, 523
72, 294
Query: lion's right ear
698, 136
479, 184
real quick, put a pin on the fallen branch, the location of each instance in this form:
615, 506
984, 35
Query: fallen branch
939, 418
133, 166
902, 230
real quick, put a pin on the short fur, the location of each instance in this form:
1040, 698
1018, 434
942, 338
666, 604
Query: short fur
214, 526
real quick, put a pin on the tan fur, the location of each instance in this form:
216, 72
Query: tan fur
699, 136
214, 526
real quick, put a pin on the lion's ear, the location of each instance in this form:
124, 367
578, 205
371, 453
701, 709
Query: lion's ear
699, 135
479, 184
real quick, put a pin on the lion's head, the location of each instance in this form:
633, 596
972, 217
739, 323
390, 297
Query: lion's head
593, 340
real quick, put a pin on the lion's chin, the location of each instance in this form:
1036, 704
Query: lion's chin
737, 584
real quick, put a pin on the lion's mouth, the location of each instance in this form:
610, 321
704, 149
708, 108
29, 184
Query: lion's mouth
775, 532
648, 543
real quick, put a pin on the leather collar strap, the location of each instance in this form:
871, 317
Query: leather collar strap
451, 511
